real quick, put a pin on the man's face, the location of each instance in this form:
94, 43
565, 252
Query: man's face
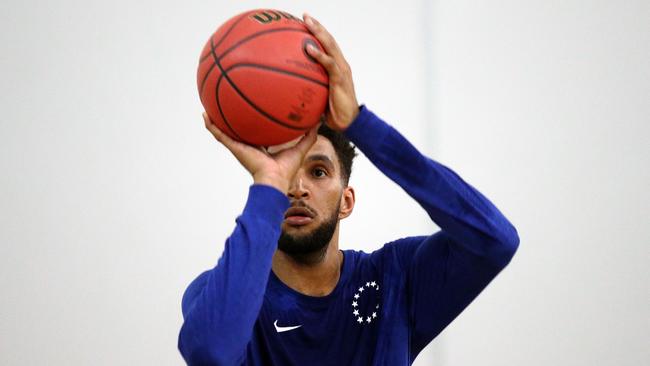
318, 200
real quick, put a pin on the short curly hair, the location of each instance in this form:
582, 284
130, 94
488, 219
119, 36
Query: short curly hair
345, 151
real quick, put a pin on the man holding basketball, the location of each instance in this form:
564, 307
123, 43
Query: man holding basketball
282, 293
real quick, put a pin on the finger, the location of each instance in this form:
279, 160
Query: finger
302, 147
265, 150
324, 37
324, 59
229, 143
214, 130
308, 140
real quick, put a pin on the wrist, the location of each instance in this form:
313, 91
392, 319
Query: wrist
353, 115
347, 119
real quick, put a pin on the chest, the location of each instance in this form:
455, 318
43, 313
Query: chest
355, 326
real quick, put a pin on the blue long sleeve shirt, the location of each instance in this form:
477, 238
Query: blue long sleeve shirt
388, 304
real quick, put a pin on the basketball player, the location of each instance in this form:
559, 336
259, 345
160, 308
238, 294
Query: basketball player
283, 293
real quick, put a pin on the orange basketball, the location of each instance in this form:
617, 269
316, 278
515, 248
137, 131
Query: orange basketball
257, 82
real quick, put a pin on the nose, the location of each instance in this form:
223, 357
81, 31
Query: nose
298, 190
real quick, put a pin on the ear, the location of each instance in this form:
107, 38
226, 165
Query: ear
347, 202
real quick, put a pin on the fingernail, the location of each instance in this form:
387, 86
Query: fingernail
309, 21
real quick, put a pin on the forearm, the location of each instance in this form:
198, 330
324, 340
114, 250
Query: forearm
220, 308
454, 205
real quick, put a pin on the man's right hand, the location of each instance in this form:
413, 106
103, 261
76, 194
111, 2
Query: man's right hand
276, 170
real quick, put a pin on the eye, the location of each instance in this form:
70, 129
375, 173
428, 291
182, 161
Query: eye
319, 172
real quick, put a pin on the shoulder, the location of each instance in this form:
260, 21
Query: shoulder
398, 252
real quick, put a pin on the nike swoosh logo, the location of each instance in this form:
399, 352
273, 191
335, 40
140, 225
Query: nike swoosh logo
284, 329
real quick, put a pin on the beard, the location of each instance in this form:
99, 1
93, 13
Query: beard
310, 248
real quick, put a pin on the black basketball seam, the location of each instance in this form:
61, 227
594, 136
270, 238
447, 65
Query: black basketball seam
281, 71
205, 78
224, 36
258, 109
216, 92
223, 115
212, 46
260, 33
278, 70
261, 111
250, 37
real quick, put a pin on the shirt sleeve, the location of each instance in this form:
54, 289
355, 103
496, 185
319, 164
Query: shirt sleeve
221, 305
448, 269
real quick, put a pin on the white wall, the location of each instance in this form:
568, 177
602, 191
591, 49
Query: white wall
114, 196
545, 106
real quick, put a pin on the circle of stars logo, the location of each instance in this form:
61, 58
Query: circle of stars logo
369, 288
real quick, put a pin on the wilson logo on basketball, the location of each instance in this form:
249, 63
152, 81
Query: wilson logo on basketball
269, 16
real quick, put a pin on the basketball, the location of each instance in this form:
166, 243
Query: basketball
257, 82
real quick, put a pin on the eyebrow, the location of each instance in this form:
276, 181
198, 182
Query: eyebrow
322, 158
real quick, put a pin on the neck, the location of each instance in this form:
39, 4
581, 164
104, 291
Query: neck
314, 279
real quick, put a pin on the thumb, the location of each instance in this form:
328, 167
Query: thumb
300, 149
308, 140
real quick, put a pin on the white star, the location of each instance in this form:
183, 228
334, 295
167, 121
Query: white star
377, 288
354, 304
355, 312
360, 319
374, 315
361, 289
377, 307
367, 284
368, 319
356, 296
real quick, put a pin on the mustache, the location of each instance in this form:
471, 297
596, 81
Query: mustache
301, 204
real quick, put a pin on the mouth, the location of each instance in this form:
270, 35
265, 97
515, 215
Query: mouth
298, 216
